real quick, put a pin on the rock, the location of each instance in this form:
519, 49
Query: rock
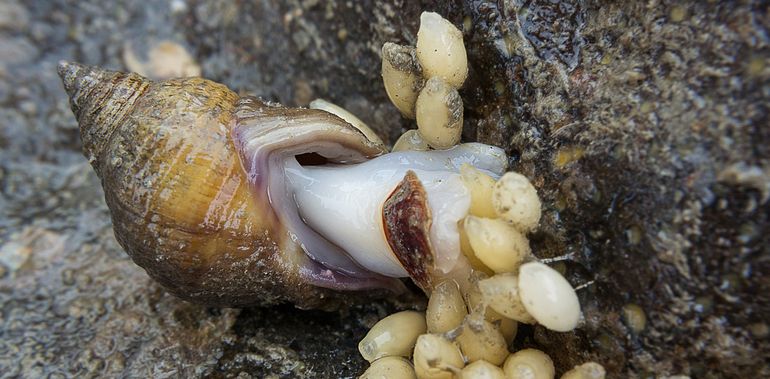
16, 50
13, 16
641, 124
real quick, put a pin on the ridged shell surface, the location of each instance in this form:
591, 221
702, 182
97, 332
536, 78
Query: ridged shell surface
181, 201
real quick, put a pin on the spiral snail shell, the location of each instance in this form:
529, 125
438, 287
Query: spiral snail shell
232, 201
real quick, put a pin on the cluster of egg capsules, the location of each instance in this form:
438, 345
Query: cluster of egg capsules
481, 354
422, 83
468, 327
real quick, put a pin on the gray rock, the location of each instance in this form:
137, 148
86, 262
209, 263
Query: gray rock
13, 16
643, 125
16, 50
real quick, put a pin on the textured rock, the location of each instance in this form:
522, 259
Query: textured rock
643, 125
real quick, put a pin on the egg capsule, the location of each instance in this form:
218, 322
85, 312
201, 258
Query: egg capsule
411, 140
465, 247
495, 243
480, 340
503, 294
394, 335
440, 50
390, 368
481, 187
446, 308
476, 303
402, 76
481, 370
436, 358
439, 113
515, 200
529, 364
548, 297
589, 370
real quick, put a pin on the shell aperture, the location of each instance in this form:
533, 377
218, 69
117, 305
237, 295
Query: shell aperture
344, 202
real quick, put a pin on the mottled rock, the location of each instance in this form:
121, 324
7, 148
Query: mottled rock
643, 125
13, 16
17, 50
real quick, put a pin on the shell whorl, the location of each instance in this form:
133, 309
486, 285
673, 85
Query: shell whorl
177, 160
100, 100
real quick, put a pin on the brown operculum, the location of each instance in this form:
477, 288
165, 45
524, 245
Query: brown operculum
407, 220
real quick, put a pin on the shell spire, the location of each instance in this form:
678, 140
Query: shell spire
100, 100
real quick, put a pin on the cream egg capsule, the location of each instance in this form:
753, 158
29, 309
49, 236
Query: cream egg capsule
233, 201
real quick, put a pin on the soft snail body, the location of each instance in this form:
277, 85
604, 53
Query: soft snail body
196, 181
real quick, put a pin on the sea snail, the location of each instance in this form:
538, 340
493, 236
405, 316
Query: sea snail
233, 201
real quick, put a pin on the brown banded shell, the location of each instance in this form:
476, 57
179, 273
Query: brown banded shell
186, 206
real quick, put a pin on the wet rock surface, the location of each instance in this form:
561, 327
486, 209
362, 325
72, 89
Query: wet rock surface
642, 124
